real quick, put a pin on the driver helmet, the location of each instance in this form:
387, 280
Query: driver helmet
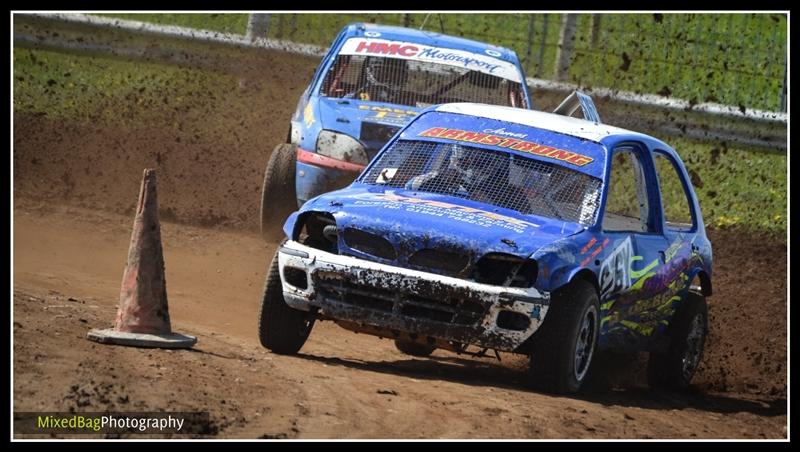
474, 167
390, 73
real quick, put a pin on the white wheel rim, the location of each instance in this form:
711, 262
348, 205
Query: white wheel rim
584, 345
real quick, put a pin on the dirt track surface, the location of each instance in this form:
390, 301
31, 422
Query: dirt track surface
75, 187
341, 385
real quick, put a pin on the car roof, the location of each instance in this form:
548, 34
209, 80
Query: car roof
566, 125
430, 38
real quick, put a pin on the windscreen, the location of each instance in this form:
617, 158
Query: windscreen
416, 83
498, 178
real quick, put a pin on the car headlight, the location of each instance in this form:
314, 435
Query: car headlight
341, 147
500, 269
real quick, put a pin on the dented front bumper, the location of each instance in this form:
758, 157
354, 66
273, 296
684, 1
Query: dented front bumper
409, 301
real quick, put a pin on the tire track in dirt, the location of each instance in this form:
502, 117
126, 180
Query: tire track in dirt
341, 384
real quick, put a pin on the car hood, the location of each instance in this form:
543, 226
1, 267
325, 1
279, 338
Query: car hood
373, 123
414, 220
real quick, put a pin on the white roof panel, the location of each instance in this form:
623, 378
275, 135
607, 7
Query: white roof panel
549, 121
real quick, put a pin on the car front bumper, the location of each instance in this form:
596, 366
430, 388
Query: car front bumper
397, 299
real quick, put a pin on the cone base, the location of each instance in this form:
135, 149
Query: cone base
169, 340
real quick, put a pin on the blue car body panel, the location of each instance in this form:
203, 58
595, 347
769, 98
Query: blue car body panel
641, 278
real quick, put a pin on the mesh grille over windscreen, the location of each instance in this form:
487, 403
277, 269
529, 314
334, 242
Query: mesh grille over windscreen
416, 83
494, 177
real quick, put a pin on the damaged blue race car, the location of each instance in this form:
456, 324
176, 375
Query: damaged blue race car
374, 80
481, 227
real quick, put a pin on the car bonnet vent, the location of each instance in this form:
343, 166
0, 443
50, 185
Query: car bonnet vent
447, 262
369, 243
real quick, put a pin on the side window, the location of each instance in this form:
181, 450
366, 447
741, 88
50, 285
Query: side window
674, 198
627, 208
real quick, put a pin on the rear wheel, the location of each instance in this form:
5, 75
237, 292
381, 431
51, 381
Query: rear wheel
414, 348
675, 368
564, 345
278, 196
281, 329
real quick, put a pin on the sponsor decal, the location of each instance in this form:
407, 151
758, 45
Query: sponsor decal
493, 53
640, 328
386, 48
528, 147
502, 131
673, 248
371, 34
594, 253
615, 274
308, 115
457, 212
388, 113
419, 52
443, 55
589, 245
650, 302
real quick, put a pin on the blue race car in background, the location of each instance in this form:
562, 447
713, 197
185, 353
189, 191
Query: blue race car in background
505, 229
373, 80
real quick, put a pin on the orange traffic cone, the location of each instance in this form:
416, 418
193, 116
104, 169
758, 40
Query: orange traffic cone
143, 314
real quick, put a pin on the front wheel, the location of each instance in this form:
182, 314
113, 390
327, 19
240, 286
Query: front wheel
414, 348
281, 329
278, 196
564, 345
675, 368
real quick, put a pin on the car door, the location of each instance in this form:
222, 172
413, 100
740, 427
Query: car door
679, 227
632, 224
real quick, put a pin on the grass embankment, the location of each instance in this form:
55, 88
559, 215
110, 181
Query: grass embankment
733, 59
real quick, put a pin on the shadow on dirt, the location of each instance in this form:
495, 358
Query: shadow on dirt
218, 355
603, 388
692, 398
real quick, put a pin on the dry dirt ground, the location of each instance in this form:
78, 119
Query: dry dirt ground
67, 269
75, 186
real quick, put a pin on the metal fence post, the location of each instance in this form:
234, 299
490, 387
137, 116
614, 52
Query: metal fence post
595, 28
292, 26
257, 27
542, 43
565, 44
527, 62
783, 91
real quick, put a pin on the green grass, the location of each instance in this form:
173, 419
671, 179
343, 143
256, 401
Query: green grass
734, 59
227, 23
736, 187
92, 89
122, 94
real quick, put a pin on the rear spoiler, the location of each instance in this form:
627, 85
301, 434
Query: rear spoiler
579, 100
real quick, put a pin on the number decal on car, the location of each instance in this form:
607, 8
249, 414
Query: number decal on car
615, 275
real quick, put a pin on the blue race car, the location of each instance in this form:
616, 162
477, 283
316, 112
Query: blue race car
511, 230
372, 81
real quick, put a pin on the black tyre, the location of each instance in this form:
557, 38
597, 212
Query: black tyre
413, 348
278, 196
674, 368
564, 345
281, 329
